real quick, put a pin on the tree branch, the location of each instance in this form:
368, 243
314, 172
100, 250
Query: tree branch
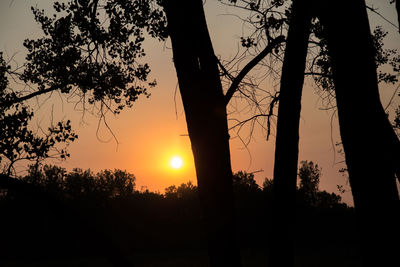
385, 19
318, 74
29, 96
268, 115
235, 83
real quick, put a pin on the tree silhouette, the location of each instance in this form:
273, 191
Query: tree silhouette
244, 183
377, 214
185, 190
102, 59
17, 141
287, 136
99, 60
79, 55
355, 109
308, 192
285, 171
93, 50
309, 175
81, 185
206, 117
205, 113
77, 202
138, 221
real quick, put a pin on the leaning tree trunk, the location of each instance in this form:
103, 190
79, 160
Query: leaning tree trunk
364, 129
281, 251
206, 118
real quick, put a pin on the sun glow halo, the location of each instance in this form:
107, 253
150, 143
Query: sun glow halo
176, 162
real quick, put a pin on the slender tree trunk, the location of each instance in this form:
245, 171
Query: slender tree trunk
206, 118
398, 13
364, 129
281, 251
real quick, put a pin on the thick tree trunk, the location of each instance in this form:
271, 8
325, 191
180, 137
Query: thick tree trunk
281, 251
364, 129
206, 118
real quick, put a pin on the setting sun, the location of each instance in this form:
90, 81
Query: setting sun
176, 162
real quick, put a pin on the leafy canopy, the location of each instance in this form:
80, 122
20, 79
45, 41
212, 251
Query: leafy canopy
17, 141
95, 46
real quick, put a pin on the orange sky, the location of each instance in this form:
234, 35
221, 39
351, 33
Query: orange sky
154, 130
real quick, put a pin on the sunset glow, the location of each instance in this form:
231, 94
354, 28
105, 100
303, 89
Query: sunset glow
176, 162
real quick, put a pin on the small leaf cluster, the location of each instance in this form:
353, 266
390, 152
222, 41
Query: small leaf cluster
321, 62
385, 56
247, 42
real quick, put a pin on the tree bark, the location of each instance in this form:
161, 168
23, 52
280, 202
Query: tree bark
281, 251
206, 117
364, 129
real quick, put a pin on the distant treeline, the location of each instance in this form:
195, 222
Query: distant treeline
84, 213
111, 185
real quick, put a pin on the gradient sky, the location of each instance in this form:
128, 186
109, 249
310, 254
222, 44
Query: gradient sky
153, 131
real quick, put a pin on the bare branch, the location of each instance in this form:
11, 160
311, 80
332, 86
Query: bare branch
268, 115
267, 50
385, 19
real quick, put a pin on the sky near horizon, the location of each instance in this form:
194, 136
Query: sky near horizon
154, 130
